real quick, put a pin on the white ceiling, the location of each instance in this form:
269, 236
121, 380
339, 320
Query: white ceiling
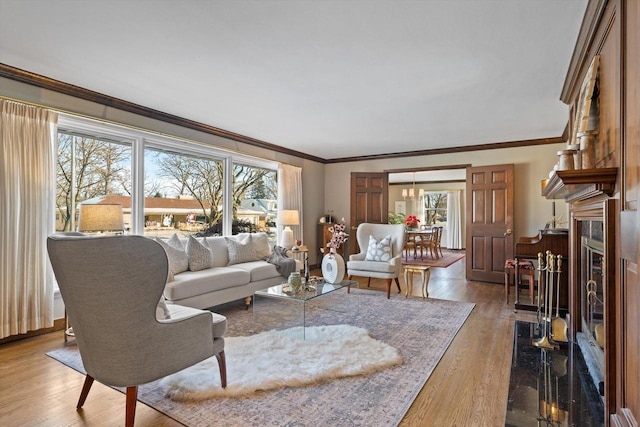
331, 78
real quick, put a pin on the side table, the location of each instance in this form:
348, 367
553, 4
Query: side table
303, 253
425, 274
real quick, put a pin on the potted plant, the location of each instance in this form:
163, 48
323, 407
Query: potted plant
412, 222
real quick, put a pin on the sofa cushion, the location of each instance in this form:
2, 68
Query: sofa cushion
219, 322
259, 270
199, 254
240, 250
192, 283
379, 250
178, 260
381, 267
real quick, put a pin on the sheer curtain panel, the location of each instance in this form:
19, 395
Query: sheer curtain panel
290, 195
454, 223
27, 216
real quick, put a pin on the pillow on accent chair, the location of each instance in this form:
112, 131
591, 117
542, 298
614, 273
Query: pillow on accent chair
379, 251
178, 260
199, 254
240, 250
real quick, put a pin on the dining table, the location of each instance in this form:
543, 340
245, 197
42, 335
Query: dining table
416, 236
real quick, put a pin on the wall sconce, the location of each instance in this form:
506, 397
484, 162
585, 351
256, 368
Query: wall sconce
100, 218
287, 218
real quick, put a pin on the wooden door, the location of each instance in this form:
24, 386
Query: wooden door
489, 222
369, 202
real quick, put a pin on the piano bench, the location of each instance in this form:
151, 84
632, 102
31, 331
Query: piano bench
519, 268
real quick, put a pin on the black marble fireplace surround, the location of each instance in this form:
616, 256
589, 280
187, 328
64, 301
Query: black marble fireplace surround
550, 388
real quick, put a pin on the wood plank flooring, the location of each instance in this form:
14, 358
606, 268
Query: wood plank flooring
468, 387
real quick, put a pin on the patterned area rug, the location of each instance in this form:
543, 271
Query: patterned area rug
448, 257
421, 329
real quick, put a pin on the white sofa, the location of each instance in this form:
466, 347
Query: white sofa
223, 282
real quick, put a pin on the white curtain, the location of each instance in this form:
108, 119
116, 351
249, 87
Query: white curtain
454, 223
27, 216
290, 195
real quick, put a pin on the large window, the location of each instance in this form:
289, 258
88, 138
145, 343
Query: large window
255, 196
90, 170
165, 185
435, 208
183, 192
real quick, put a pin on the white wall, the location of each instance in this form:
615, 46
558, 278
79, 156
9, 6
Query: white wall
326, 187
312, 172
531, 165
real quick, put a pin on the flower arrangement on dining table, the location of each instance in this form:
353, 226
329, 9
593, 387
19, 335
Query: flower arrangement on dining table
338, 236
412, 221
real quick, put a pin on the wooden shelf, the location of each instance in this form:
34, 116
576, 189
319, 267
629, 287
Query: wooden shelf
575, 185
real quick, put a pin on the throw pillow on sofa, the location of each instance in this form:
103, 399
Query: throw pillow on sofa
178, 260
162, 311
199, 254
261, 245
240, 250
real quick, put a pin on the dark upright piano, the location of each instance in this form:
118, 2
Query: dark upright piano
557, 241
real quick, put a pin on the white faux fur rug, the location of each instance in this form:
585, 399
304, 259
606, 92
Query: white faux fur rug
276, 359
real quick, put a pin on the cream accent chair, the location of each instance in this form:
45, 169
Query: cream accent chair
357, 266
111, 287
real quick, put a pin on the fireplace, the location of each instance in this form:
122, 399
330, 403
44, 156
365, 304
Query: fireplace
592, 291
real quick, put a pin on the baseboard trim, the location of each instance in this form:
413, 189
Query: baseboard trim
58, 325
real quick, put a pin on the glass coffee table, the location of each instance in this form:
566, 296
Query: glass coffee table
336, 297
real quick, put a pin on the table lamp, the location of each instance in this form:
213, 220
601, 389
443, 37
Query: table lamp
287, 218
100, 218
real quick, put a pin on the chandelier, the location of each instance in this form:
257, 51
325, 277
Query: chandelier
411, 192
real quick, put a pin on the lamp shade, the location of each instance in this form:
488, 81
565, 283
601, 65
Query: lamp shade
100, 218
289, 217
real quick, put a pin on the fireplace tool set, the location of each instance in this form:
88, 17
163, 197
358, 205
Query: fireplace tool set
553, 328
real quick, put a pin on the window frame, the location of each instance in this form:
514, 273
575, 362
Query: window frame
141, 139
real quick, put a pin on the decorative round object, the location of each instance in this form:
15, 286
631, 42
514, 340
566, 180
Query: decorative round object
295, 282
566, 162
333, 268
577, 161
588, 148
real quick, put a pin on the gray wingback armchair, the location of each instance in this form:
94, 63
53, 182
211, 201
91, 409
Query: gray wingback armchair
111, 287
389, 270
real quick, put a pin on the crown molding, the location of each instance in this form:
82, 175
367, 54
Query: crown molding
33, 79
462, 149
43, 82
592, 16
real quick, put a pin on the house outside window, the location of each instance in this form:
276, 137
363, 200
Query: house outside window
88, 168
164, 184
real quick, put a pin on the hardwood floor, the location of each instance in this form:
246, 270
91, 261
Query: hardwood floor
468, 387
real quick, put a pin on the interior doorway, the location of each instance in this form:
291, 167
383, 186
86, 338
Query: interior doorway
435, 196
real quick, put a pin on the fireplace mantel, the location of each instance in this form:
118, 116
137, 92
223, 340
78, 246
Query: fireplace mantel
582, 184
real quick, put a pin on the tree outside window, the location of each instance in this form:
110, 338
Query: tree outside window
435, 208
88, 169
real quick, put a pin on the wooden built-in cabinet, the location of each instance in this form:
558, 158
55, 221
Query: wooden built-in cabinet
324, 236
606, 197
